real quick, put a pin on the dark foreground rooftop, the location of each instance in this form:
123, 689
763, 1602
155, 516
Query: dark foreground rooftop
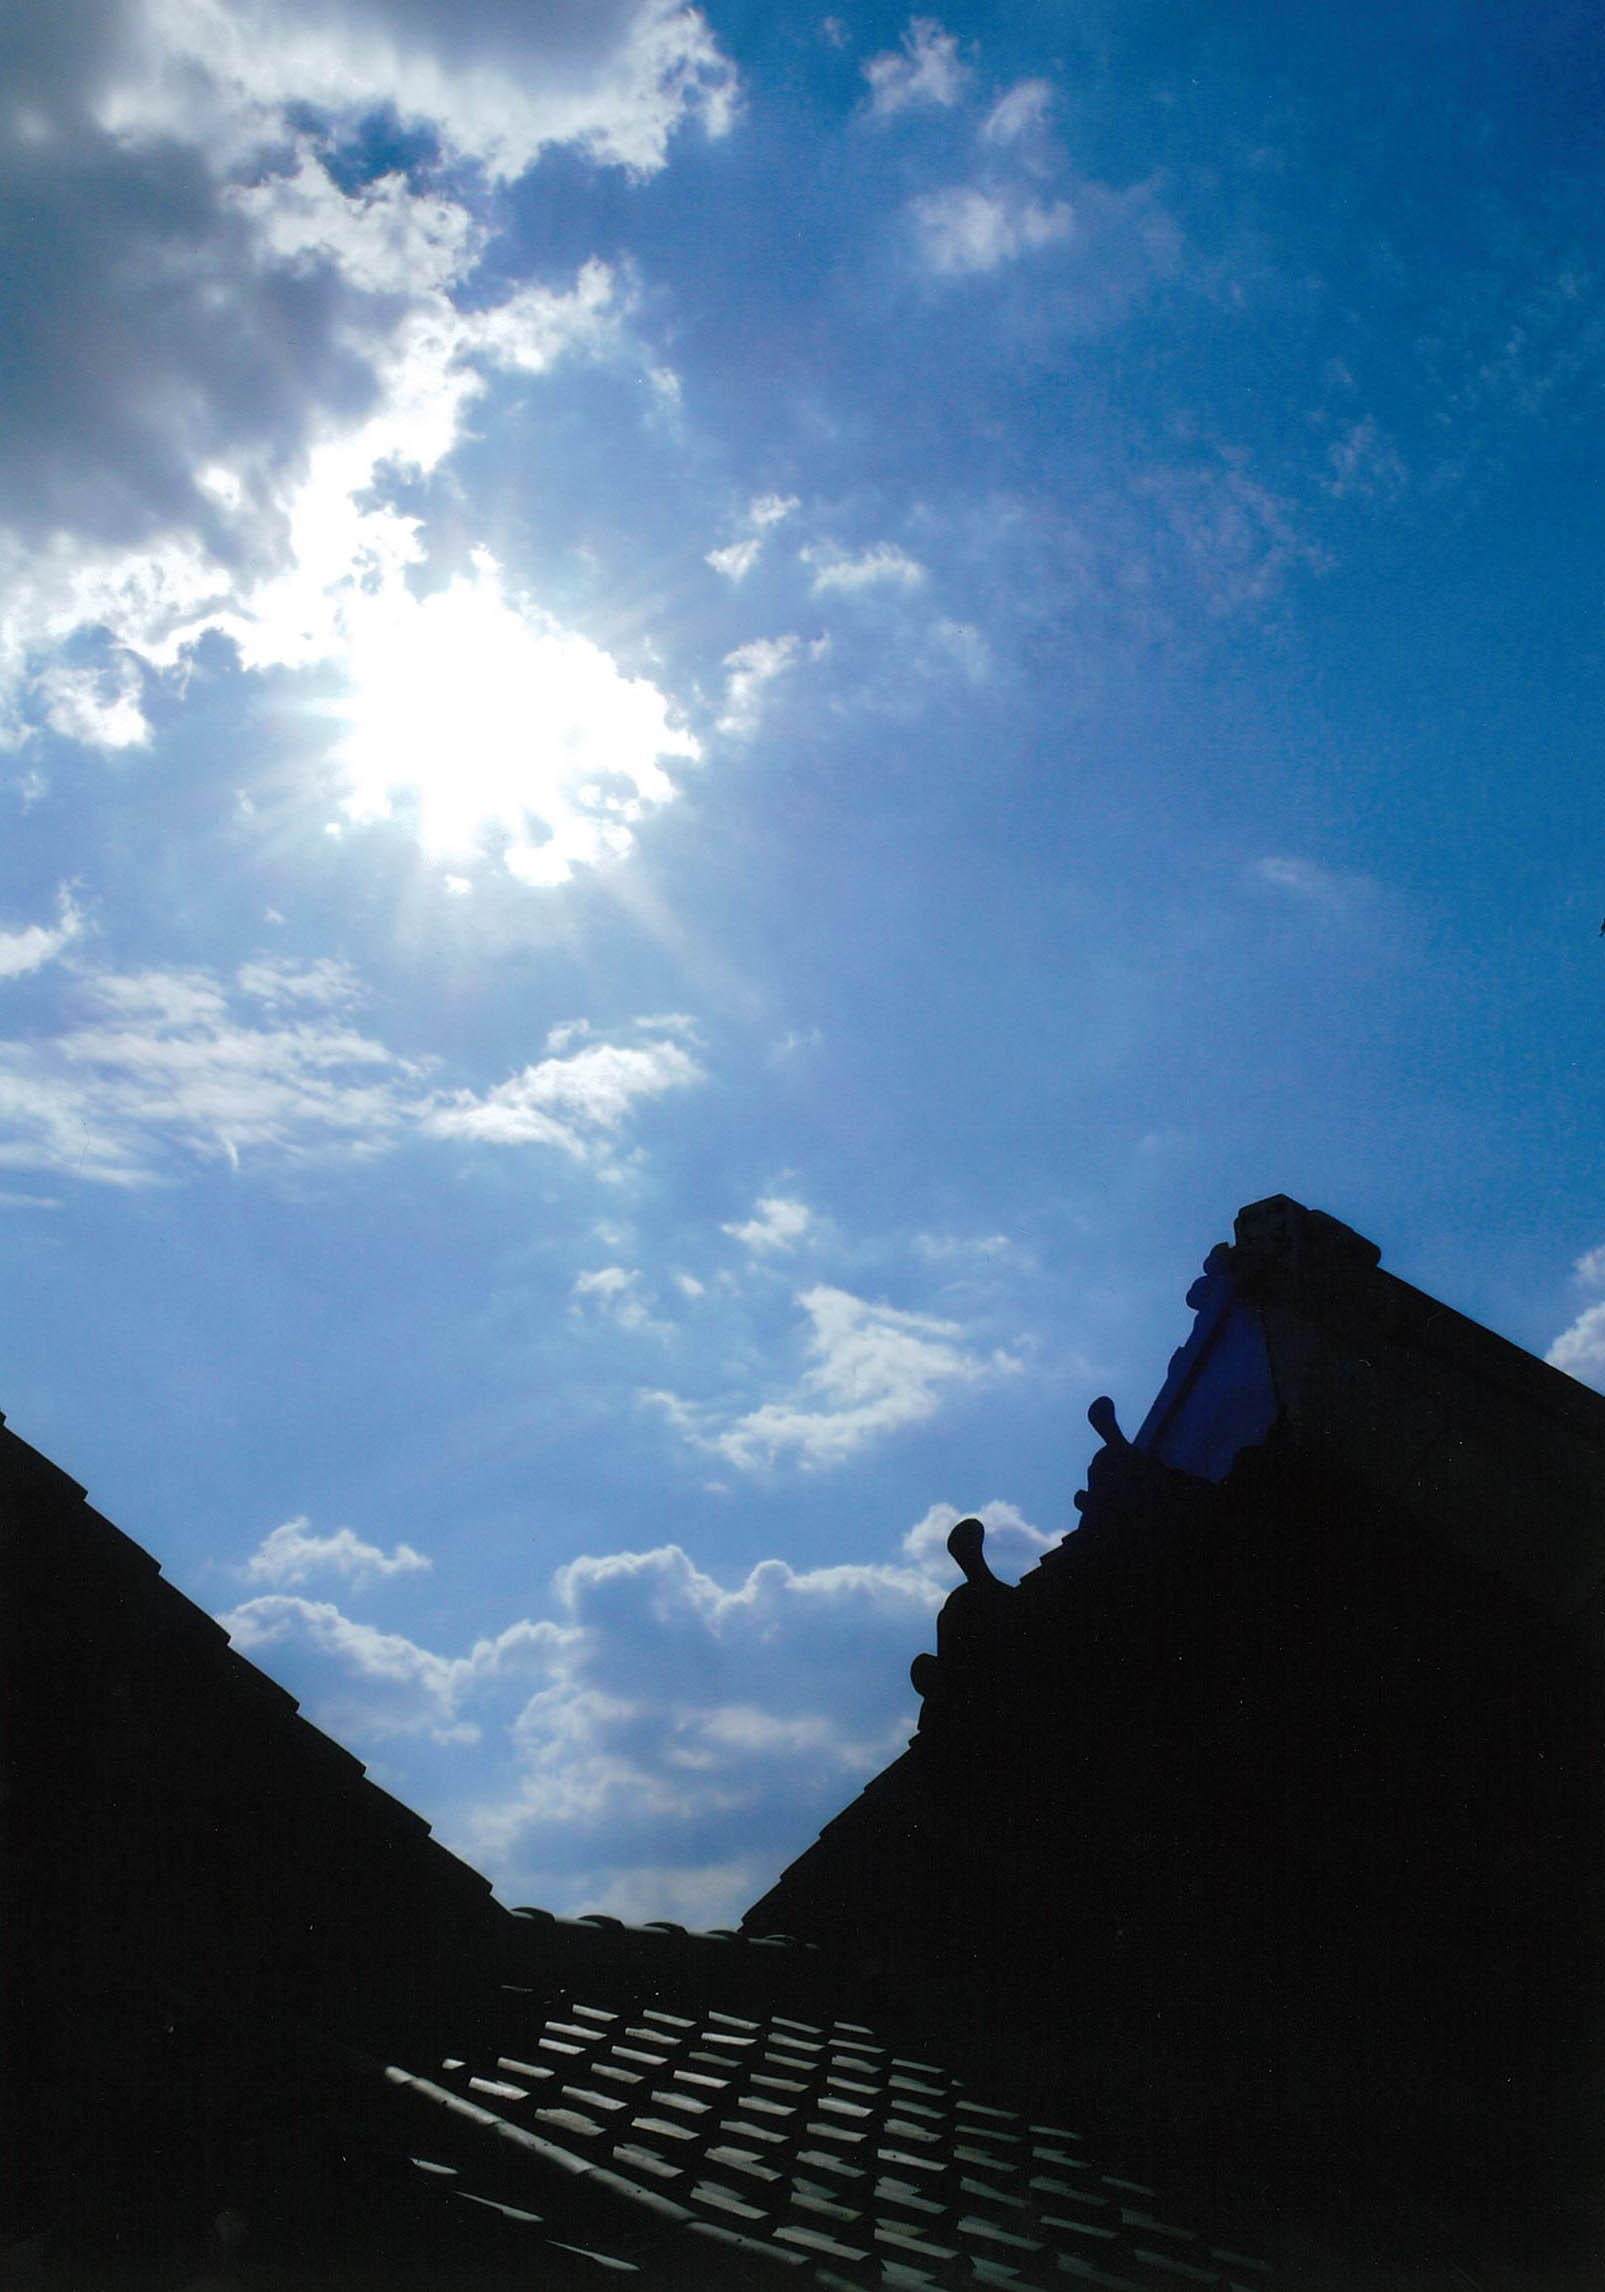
1234, 1916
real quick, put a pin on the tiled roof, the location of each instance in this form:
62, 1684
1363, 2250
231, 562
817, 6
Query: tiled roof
703, 2146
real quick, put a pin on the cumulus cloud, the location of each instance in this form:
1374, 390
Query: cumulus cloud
883, 566
777, 1223
965, 230
1580, 1350
156, 1068
291, 1553
98, 706
237, 349
659, 1742
924, 72
872, 1370
1012, 1544
613, 77
371, 1684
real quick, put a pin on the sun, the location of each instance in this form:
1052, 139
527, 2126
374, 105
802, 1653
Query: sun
492, 729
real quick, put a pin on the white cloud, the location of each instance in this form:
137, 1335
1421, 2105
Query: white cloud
323, 985
1580, 1350
659, 1743
1362, 462
501, 84
873, 1370
883, 566
776, 1224
750, 668
373, 1684
1012, 1544
37, 944
234, 353
291, 1553
1334, 891
1590, 1269
926, 72
942, 1248
1234, 539
961, 645
575, 1102
99, 707
965, 230
160, 1067
616, 1291
737, 559
1019, 112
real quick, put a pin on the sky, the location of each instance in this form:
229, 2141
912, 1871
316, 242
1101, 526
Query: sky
715, 723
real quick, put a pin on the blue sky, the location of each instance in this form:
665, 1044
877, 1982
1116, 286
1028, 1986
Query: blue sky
715, 724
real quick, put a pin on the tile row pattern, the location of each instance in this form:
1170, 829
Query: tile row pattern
815, 2146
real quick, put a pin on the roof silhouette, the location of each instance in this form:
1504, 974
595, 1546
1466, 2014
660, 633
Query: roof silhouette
1232, 1918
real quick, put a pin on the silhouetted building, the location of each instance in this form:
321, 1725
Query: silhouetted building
1266, 1816
1234, 1913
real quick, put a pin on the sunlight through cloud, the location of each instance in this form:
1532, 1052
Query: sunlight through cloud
483, 722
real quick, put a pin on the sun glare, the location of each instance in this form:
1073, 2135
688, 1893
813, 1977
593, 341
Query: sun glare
495, 731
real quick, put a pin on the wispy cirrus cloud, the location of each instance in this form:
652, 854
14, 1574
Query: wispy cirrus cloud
1340, 894
939, 1249
156, 1069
